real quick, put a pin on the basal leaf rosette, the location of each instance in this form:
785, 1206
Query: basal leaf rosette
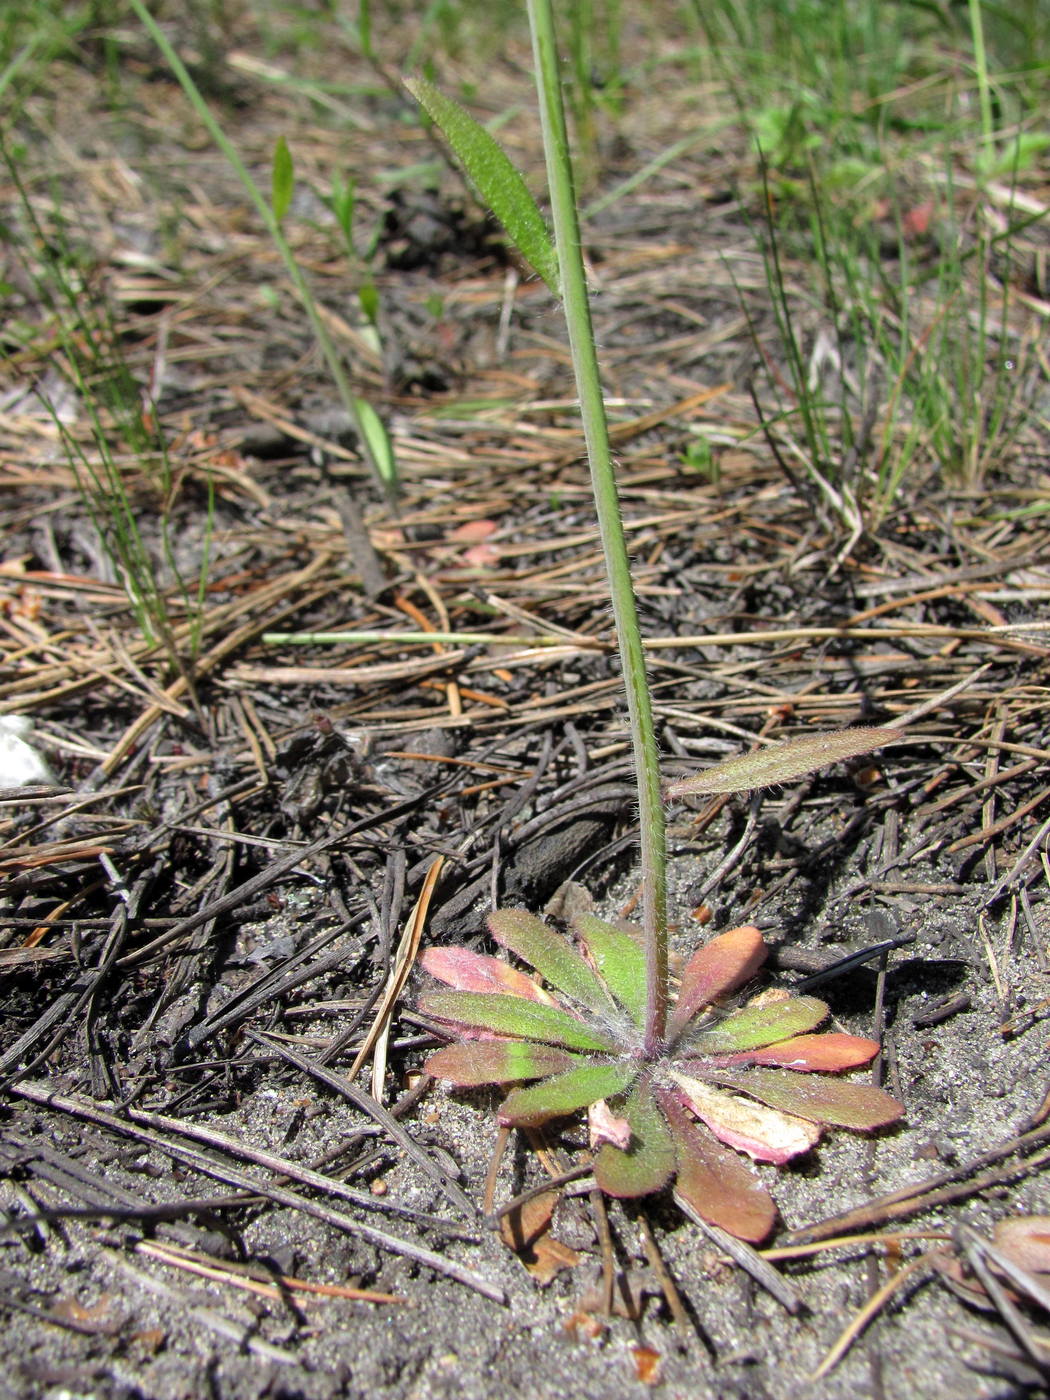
750, 1080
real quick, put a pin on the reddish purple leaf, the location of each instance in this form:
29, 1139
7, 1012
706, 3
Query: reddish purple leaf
819, 1100
832, 1051
715, 1182
717, 969
477, 972
496, 1062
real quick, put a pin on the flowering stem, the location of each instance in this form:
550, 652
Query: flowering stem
607, 502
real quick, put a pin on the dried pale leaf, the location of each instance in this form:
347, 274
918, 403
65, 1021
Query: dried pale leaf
620, 960
821, 1100
526, 1230
549, 1257
474, 531
649, 1161
521, 1227
603, 1125
648, 1365
753, 1027
564, 1093
716, 969
475, 1062
831, 1051
763, 1133
477, 972
557, 962
507, 1015
1025, 1239
717, 1183
781, 763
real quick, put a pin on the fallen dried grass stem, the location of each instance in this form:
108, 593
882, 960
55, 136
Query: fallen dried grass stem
231, 1176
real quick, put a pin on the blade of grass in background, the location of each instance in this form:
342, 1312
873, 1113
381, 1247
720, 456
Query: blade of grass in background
383, 466
127, 454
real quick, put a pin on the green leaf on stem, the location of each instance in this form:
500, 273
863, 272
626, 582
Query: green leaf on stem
377, 440
494, 177
781, 763
282, 180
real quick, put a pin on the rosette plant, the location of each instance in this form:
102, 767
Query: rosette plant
669, 1095
748, 1078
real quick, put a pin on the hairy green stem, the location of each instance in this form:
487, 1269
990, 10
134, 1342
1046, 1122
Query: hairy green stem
607, 501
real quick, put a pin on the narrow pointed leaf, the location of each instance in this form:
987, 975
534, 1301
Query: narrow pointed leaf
473, 1062
817, 1099
781, 763
716, 1182
716, 969
380, 444
620, 960
282, 180
557, 962
648, 1163
762, 1132
477, 972
576, 1088
508, 1015
754, 1026
830, 1051
494, 177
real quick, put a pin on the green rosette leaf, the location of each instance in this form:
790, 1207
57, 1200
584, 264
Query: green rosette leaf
472, 1062
755, 1026
557, 962
508, 1015
620, 960
649, 1161
820, 1100
564, 1093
